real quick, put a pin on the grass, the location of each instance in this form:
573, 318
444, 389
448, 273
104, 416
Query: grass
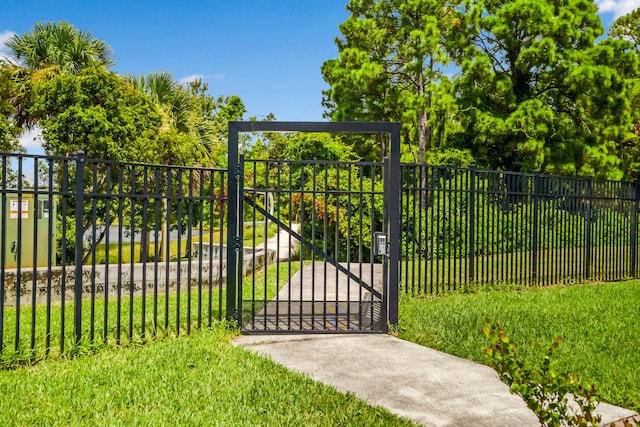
600, 324
555, 265
161, 318
197, 380
248, 240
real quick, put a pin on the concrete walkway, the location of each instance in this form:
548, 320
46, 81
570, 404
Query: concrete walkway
424, 385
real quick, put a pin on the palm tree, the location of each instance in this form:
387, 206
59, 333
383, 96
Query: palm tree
180, 113
48, 49
61, 45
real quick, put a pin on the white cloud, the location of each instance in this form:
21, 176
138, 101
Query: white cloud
31, 140
4, 37
617, 7
193, 77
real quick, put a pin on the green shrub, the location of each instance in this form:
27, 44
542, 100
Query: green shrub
545, 391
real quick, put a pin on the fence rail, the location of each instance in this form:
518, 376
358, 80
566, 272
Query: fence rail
90, 249
466, 226
95, 251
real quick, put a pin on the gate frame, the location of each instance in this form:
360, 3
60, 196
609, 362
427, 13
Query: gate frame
391, 196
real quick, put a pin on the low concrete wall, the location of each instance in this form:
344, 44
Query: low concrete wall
123, 276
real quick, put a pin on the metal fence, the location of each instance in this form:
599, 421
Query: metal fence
95, 251
464, 227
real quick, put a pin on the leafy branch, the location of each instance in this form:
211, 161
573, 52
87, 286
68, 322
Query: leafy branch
557, 398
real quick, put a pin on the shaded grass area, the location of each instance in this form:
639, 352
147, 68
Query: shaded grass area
197, 380
600, 324
39, 331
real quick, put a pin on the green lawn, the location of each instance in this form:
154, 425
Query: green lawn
200, 380
600, 324
141, 319
251, 237
554, 265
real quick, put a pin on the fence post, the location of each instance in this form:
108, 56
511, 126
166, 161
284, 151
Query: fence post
232, 223
472, 228
394, 224
77, 301
587, 237
534, 232
633, 238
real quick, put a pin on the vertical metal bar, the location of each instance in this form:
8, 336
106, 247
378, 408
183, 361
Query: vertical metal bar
416, 196
279, 211
504, 247
314, 217
223, 208
386, 176
437, 205
360, 241
266, 245
373, 195
107, 224
450, 217
188, 253
336, 245
421, 189
63, 285
120, 256
232, 223
289, 221
212, 199
434, 230
633, 235
348, 237
302, 219
157, 223
253, 243
18, 253
3, 251
166, 242
179, 203
325, 236
239, 240
394, 224
587, 263
132, 259
201, 203
37, 211
94, 231
472, 227
144, 245
50, 253
416, 226
80, 159
534, 231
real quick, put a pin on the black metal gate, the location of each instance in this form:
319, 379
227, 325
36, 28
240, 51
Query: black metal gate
313, 246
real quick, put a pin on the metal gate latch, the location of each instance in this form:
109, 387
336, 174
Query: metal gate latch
380, 244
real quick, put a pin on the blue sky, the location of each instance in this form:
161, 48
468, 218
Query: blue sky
268, 52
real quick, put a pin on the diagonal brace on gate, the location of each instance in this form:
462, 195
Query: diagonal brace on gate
316, 250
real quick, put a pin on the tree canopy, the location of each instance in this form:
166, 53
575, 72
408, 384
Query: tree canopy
61, 45
518, 85
58, 78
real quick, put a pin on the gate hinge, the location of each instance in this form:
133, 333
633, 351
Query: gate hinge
237, 243
238, 171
